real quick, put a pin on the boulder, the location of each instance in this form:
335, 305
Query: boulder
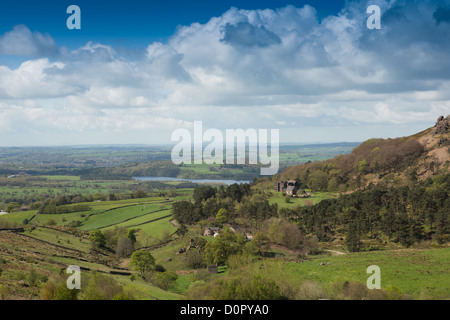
442, 125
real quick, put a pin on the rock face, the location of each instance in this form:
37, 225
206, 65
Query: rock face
442, 125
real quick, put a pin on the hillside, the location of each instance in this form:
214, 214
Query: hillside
394, 162
289, 250
296, 247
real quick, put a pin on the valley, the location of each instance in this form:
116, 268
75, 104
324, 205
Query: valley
171, 240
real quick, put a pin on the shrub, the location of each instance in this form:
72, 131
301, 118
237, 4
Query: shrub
97, 238
159, 268
355, 290
58, 291
255, 287
125, 248
194, 259
163, 280
202, 275
4, 292
310, 291
285, 233
19, 275
198, 290
50, 222
102, 287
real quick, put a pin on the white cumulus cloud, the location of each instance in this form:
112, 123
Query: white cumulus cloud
244, 68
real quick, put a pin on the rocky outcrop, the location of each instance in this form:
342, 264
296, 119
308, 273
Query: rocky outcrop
442, 125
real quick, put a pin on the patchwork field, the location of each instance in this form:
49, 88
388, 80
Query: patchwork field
111, 217
36, 248
47, 249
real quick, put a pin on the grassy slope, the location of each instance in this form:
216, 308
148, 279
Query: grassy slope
416, 272
116, 216
294, 202
60, 238
420, 273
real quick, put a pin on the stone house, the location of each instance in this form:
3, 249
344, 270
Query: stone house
211, 231
289, 187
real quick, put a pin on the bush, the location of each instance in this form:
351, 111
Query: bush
194, 259
102, 287
97, 238
312, 245
197, 291
356, 291
159, 268
201, 275
19, 275
125, 248
75, 223
50, 222
284, 233
255, 287
163, 280
310, 291
33, 278
4, 292
58, 291
239, 261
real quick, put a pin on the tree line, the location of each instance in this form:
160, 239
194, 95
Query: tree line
208, 200
404, 214
376, 156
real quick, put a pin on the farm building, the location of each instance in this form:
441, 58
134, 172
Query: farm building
289, 187
280, 186
211, 231
291, 190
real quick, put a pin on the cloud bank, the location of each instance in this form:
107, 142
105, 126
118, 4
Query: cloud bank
316, 80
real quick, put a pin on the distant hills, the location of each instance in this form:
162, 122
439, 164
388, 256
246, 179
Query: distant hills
392, 162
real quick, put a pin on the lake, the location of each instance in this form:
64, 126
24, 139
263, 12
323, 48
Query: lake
227, 182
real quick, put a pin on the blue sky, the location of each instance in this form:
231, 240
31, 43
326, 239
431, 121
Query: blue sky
131, 23
139, 69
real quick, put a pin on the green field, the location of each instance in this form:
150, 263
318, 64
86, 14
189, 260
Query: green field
60, 238
116, 216
419, 273
157, 228
279, 199
50, 241
145, 219
57, 185
62, 178
144, 291
18, 217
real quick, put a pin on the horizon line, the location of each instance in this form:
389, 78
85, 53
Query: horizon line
164, 144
